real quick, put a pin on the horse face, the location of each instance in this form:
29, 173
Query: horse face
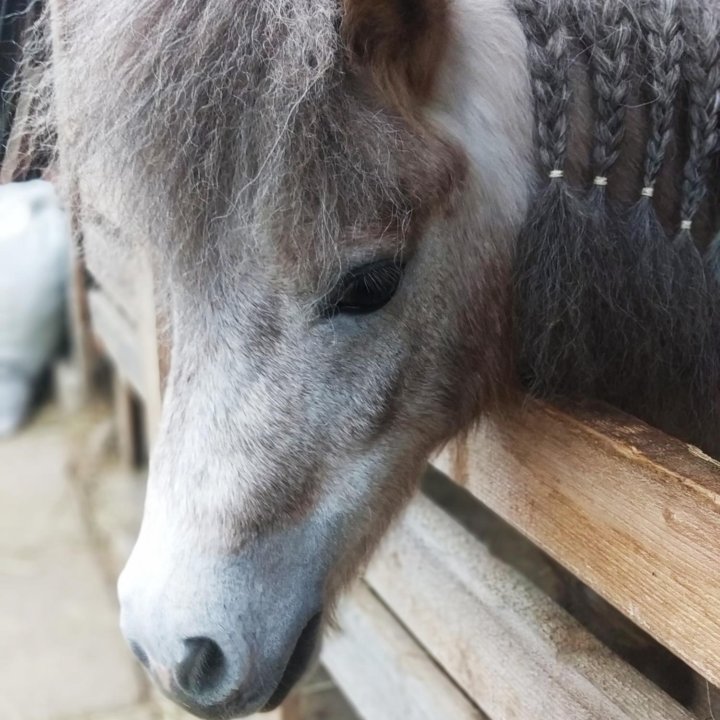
295, 424
334, 316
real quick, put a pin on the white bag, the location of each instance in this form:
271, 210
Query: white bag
34, 268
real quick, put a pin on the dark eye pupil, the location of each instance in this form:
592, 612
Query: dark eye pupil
365, 289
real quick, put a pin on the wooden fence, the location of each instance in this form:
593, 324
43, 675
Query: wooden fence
567, 569
441, 627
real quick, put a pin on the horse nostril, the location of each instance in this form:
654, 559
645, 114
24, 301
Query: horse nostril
203, 667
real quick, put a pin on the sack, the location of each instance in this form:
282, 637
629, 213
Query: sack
34, 270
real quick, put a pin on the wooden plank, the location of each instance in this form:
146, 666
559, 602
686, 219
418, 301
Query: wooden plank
83, 355
125, 421
118, 338
112, 261
18, 154
383, 672
515, 652
633, 513
149, 350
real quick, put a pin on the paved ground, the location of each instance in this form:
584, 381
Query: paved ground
68, 517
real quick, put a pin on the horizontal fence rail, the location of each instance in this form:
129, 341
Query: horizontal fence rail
383, 671
512, 649
633, 513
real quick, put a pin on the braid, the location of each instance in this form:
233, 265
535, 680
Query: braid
547, 285
701, 71
610, 37
600, 265
704, 66
693, 353
548, 61
664, 48
656, 311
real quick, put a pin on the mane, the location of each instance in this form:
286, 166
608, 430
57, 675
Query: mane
244, 119
610, 302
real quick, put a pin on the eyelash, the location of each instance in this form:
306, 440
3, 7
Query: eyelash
365, 289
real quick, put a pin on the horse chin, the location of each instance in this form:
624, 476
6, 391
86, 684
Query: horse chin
304, 654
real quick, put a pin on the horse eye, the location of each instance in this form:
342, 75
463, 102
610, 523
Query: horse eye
365, 289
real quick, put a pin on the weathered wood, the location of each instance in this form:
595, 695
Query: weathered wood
119, 339
18, 154
383, 672
149, 350
113, 263
633, 513
125, 421
513, 650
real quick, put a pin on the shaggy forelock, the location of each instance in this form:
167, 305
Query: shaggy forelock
213, 120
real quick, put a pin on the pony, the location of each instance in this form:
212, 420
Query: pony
373, 222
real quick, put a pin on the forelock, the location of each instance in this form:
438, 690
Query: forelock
205, 120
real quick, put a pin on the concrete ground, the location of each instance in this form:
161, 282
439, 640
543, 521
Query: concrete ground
69, 513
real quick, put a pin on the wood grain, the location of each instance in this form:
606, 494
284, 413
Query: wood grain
113, 263
382, 670
515, 652
149, 350
18, 154
118, 338
631, 512
123, 405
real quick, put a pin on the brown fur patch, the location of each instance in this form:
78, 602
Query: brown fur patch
402, 43
394, 49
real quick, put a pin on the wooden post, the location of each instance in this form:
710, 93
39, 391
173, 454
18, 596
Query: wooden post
124, 401
149, 352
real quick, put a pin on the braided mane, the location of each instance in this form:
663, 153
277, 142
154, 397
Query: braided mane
616, 296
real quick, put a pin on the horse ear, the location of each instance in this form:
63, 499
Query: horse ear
401, 43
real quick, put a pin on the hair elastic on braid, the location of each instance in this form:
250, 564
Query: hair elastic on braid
649, 310
694, 351
545, 284
701, 71
598, 264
